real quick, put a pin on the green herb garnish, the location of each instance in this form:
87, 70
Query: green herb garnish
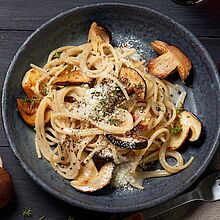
112, 121
42, 217
180, 108
32, 101
102, 102
42, 87
56, 55
175, 130
27, 212
139, 86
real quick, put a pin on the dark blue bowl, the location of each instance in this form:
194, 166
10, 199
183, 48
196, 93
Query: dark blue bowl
136, 26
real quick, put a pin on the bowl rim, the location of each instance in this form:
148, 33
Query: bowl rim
99, 207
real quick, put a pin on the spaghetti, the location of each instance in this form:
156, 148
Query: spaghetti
87, 92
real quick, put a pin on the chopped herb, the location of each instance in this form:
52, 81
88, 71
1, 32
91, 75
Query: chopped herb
56, 55
42, 87
96, 93
32, 101
175, 130
27, 212
180, 108
112, 121
102, 102
42, 217
139, 86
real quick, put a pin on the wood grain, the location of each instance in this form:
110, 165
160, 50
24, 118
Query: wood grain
28, 15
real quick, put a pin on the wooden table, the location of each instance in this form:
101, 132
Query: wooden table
18, 19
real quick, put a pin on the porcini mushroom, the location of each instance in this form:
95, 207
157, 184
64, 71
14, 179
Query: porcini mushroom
71, 77
6, 186
29, 82
189, 123
171, 59
27, 108
133, 82
90, 179
99, 34
134, 142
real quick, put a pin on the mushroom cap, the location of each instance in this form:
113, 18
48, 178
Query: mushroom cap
190, 125
99, 33
71, 77
27, 110
189, 120
133, 82
171, 59
29, 82
90, 179
134, 142
6, 186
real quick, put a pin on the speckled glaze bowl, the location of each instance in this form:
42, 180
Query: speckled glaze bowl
136, 26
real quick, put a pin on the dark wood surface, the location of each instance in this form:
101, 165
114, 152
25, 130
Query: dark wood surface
18, 19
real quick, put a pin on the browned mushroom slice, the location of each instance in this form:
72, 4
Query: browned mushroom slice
90, 179
133, 82
188, 122
134, 142
171, 60
71, 77
99, 34
29, 82
28, 108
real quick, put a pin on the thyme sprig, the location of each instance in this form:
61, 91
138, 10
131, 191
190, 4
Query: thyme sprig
175, 130
56, 55
27, 212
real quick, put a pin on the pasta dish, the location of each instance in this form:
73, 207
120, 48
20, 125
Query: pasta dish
104, 114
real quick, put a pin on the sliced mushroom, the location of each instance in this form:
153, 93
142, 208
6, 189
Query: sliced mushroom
99, 34
71, 77
134, 142
29, 82
188, 122
133, 82
171, 60
90, 179
28, 108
